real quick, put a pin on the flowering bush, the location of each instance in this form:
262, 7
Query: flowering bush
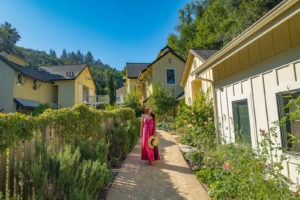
198, 122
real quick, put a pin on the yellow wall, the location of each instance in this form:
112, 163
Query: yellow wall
159, 73
16, 59
86, 80
132, 82
6, 87
66, 93
45, 93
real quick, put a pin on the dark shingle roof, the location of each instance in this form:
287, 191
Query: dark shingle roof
134, 69
65, 72
205, 53
47, 73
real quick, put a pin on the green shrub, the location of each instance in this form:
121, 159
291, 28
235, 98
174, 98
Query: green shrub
161, 100
66, 175
40, 109
198, 122
194, 157
237, 172
133, 101
122, 137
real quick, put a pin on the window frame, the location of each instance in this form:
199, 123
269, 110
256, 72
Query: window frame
174, 76
234, 131
295, 153
20, 80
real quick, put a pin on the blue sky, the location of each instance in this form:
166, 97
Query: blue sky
116, 32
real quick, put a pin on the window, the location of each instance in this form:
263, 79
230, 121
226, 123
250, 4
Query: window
291, 128
34, 85
241, 121
170, 76
20, 79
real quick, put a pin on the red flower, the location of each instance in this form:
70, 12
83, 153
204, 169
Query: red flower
208, 159
262, 131
205, 123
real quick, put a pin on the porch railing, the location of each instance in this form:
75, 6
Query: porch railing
99, 99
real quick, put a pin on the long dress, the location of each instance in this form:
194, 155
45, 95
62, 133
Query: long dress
148, 129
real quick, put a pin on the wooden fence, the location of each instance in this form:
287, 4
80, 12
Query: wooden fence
13, 157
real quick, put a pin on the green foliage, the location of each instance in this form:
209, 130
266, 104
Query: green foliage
239, 172
40, 109
122, 137
198, 122
111, 90
66, 175
211, 24
79, 121
133, 101
9, 36
194, 157
161, 100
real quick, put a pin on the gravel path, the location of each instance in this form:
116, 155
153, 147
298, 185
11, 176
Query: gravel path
169, 178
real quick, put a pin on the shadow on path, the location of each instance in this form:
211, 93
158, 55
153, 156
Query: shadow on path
169, 178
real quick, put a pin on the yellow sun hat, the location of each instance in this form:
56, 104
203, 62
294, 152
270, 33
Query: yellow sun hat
152, 141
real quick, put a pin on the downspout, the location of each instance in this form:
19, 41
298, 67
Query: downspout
214, 105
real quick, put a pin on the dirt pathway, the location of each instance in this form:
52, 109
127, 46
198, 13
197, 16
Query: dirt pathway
169, 178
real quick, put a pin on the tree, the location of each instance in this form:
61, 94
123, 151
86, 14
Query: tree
79, 57
211, 24
89, 58
52, 53
9, 36
64, 55
161, 100
133, 101
111, 89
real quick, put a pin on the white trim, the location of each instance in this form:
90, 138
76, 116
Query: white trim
167, 76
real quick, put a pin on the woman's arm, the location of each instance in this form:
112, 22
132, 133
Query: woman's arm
142, 124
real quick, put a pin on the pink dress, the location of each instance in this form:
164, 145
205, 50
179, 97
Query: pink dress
148, 153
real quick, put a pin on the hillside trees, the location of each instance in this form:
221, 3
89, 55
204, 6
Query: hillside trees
212, 24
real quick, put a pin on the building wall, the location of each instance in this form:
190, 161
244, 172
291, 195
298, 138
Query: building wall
159, 73
194, 85
85, 79
135, 83
66, 93
259, 85
6, 87
45, 92
121, 93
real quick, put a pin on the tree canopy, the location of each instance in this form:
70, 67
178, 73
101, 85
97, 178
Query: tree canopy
211, 24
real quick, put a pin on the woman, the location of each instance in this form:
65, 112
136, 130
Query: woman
148, 128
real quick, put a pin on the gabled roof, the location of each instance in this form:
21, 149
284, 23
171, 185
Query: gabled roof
65, 72
155, 61
47, 73
31, 72
134, 69
205, 54
202, 54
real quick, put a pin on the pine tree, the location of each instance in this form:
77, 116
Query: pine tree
111, 89
9, 36
52, 53
64, 55
89, 58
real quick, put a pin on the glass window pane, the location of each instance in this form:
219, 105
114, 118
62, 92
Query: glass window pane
290, 127
170, 76
241, 121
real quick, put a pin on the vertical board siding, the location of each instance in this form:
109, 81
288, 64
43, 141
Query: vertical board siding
260, 91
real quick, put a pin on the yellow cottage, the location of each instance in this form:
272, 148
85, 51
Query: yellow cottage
24, 87
166, 69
